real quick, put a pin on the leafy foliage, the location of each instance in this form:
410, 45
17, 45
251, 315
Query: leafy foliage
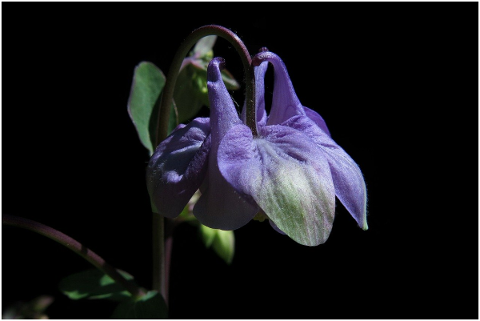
150, 306
222, 242
144, 103
93, 284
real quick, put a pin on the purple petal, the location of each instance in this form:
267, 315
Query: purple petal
285, 103
223, 114
178, 167
347, 178
276, 227
220, 206
286, 174
317, 119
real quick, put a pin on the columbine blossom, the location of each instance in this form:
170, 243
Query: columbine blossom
291, 169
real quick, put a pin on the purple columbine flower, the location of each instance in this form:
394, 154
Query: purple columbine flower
291, 169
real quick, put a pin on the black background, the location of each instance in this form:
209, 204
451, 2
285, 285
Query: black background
397, 84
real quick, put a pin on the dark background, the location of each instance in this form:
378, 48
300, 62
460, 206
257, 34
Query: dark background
397, 84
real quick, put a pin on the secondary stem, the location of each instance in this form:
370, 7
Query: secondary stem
76, 247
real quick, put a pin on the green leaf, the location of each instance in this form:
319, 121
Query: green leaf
207, 234
222, 242
224, 245
93, 284
150, 306
203, 47
189, 89
143, 103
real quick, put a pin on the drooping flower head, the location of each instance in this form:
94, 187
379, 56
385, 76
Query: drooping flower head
291, 169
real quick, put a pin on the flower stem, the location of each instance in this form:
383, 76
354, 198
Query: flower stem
158, 255
76, 247
197, 34
159, 261
250, 97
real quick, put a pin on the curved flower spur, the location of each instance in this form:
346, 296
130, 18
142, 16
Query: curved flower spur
288, 166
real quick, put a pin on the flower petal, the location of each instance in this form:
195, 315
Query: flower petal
276, 227
178, 167
347, 177
220, 206
286, 174
317, 119
223, 114
285, 103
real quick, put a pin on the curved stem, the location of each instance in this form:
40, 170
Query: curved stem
167, 95
76, 247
